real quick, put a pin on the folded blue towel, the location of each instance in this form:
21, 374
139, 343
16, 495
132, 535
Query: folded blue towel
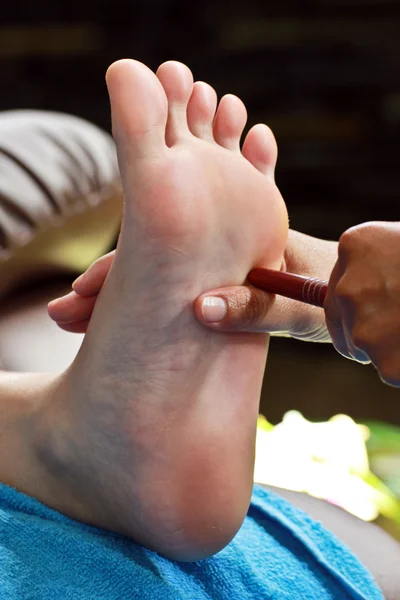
279, 553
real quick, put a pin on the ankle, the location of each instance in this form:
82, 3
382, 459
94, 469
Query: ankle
26, 404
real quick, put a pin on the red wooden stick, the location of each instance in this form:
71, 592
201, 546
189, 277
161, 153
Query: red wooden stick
305, 289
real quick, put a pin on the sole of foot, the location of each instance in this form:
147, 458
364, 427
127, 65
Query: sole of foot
158, 416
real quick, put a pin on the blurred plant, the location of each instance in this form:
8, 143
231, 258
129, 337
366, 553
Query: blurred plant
331, 460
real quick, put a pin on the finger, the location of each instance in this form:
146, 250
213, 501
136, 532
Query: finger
71, 308
333, 313
92, 280
79, 327
339, 319
339, 331
342, 341
377, 334
388, 366
250, 309
355, 352
234, 309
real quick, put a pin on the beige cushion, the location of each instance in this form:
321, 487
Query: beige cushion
60, 195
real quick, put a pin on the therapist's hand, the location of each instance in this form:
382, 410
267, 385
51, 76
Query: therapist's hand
251, 309
362, 306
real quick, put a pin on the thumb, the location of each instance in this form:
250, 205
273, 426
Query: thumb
246, 308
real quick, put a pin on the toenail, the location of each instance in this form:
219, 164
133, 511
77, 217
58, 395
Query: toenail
214, 309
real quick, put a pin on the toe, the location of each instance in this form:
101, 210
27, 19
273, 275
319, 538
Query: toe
260, 149
138, 109
177, 81
201, 110
229, 122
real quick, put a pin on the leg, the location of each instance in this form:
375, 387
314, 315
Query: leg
58, 173
157, 408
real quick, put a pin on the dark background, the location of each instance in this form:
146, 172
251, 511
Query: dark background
324, 74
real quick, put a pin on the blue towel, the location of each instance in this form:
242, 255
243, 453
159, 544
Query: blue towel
279, 553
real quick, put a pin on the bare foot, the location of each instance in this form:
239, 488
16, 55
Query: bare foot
158, 439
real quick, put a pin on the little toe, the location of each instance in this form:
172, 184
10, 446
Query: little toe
177, 81
138, 110
260, 149
201, 110
229, 122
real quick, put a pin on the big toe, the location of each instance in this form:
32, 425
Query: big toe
177, 81
138, 109
260, 149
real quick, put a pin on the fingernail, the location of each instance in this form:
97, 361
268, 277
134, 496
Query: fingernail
214, 309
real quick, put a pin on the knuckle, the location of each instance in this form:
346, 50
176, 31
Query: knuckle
365, 294
347, 291
341, 291
361, 338
367, 337
347, 242
362, 292
358, 237
253, 307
